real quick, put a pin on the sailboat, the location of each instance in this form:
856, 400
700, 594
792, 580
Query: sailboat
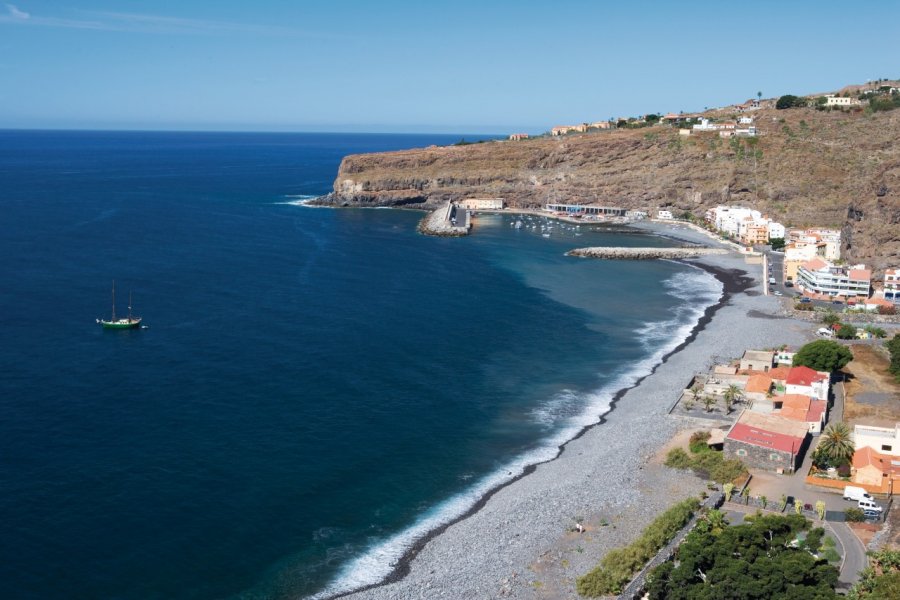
129, 322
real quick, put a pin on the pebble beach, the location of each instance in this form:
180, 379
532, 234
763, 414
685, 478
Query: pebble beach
518, 542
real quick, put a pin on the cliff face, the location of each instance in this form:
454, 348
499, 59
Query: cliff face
806, 168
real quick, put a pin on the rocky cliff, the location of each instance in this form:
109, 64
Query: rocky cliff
807, 167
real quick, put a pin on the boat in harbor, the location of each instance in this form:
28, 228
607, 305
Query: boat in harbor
129, 322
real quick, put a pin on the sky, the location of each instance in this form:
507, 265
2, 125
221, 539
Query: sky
424, 66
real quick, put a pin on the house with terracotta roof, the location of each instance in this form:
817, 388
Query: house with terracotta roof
757, 392
884, 440
871, 468
779, 377
808, 382
517, 137
767, 442
801, 408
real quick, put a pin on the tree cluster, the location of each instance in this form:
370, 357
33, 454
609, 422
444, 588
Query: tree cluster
760, 559
881, 579
823, 355
893, 346
790, 101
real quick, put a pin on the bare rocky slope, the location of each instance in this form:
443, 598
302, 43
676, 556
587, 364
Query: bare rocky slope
807, 167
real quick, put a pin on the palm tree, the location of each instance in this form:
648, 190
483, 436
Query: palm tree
836, 443
731, 395
759, 95
709, 402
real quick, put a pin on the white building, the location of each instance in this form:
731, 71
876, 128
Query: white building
665, 215
826, 241
776, 230
820, 278
808, 382
745, 121
881, 439
892, 285
832, 100
729, 218
706, 125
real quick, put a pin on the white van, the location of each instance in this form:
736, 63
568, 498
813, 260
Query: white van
856, 493
866, 504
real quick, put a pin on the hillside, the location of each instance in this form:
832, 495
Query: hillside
807, 167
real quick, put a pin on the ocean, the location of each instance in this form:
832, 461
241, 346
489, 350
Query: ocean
314, 388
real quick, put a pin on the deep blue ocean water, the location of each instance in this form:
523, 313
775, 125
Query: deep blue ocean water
316, 387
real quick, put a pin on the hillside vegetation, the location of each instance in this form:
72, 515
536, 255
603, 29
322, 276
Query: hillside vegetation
807, 167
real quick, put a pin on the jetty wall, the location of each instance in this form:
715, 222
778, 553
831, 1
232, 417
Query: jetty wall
617, 253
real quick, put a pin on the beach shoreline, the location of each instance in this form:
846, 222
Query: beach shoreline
425, 563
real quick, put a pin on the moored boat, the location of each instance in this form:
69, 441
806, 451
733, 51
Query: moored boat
129, 322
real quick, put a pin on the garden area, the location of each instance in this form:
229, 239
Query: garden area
707, 462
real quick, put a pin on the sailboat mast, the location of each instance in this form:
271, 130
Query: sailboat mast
129, 305
114, 301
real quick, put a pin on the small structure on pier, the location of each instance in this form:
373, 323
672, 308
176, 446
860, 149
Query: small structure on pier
586, 209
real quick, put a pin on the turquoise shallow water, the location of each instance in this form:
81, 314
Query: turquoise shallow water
316, 387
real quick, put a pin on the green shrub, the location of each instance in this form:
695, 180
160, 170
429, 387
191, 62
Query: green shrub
677, 458
618, 566
855, 515
698, 442
708, 463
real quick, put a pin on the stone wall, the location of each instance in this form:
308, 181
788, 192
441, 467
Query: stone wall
762, 458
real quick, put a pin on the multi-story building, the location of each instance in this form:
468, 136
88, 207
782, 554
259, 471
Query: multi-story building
819, 278
892, 285
826, 241
776, 230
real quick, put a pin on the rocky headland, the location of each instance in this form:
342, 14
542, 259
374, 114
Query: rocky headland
806, 168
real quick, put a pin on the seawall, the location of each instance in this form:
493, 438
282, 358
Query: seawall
614, 253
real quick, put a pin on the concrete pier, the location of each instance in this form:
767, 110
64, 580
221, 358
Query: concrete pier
615, 253
449, 220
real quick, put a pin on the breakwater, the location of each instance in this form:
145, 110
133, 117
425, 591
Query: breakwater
614, 253
449, 220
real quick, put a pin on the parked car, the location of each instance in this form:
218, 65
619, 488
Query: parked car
871, 514
852, 492
867, 504
805, 300
837, 302
788, 284
777, 293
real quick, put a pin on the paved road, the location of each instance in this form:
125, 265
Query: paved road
776, 270
854, 555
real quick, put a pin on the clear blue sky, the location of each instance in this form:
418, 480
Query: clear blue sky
383, 65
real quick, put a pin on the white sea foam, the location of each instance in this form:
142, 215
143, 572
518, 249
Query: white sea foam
695, 291
298, 199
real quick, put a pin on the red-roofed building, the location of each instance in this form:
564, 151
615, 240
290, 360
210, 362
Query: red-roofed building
798, 407
807, 382
767, 442
875, 469
779, 375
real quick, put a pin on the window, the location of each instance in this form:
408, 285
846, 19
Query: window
741, 452
773, 456
886, 448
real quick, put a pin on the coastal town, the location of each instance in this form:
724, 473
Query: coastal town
807, 427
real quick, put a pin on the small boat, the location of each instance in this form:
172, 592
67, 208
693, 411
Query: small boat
129, 322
